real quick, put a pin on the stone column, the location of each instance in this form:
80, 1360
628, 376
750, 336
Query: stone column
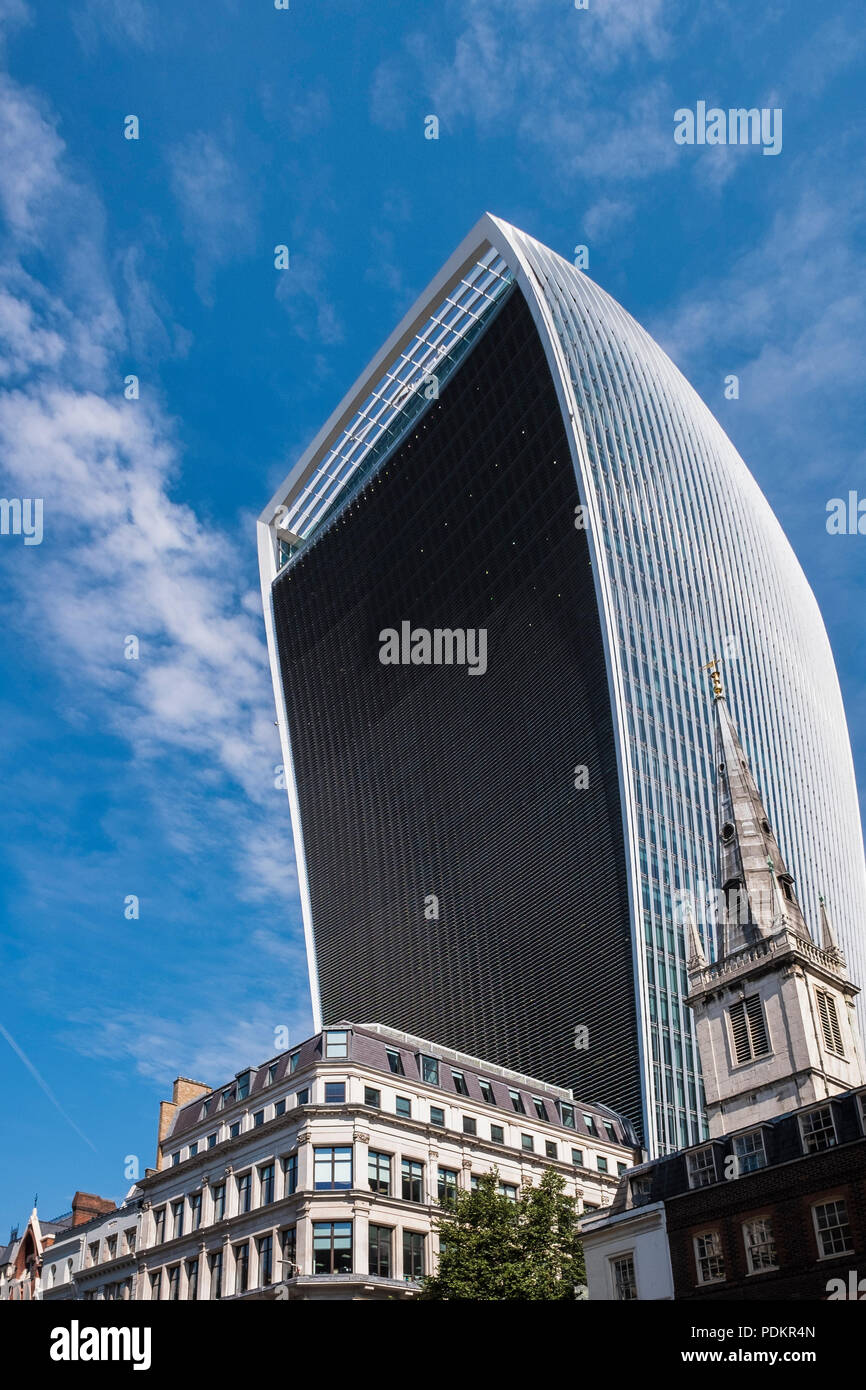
231, 1202
146, 1226
206, 1201
305, 1238
361, 1236
360, 1159
202, 1270
305, 1161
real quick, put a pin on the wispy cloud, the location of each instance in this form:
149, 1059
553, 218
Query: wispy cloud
535, 71
302, 289
607, 215
121, 556
789, 313
43, 1085
121, 21
186, 1042
217, 203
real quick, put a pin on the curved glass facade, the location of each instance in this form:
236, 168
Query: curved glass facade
687, 561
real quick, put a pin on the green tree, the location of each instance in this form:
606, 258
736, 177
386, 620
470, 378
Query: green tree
494, 1248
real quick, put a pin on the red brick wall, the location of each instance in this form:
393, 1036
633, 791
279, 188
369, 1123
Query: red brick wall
785, 1194
86, 1205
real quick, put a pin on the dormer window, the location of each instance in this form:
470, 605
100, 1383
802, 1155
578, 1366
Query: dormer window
818, 1130
727, 832
337, 1043
701, 1165
243, 1085
429, 1069
750, 1151
641, 1190
787, 886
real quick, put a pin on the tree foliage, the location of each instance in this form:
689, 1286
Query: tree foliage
493, 1247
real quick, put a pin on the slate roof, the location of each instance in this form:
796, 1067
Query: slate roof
370, 1044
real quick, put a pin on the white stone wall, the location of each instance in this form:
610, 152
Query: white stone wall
302, 1130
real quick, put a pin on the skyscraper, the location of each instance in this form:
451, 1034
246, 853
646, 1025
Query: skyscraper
493, 851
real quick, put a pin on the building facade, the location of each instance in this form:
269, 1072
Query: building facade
107, 1242
774, 1206
320, 1174
773, 1212
492, 844
29, 1263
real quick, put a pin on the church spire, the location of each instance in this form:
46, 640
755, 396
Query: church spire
696, 956
774, 1012
758, 889
828, 934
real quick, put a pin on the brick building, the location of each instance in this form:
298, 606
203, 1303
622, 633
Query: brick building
23, 1260
793, 1222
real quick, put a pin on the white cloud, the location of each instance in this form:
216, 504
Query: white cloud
301, 290
187, 1043
543, 73
605, 216
216, 203
787, 310
29, 152
28, 343
120, 555
121, 21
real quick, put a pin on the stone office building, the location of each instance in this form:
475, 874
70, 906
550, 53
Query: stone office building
320, 1173
75, 1270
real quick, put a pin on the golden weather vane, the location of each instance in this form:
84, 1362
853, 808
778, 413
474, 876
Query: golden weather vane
715, 676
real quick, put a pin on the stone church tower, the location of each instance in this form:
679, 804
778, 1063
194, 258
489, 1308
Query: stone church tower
774, 1012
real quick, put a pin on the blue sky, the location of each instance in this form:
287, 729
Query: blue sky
155, 257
